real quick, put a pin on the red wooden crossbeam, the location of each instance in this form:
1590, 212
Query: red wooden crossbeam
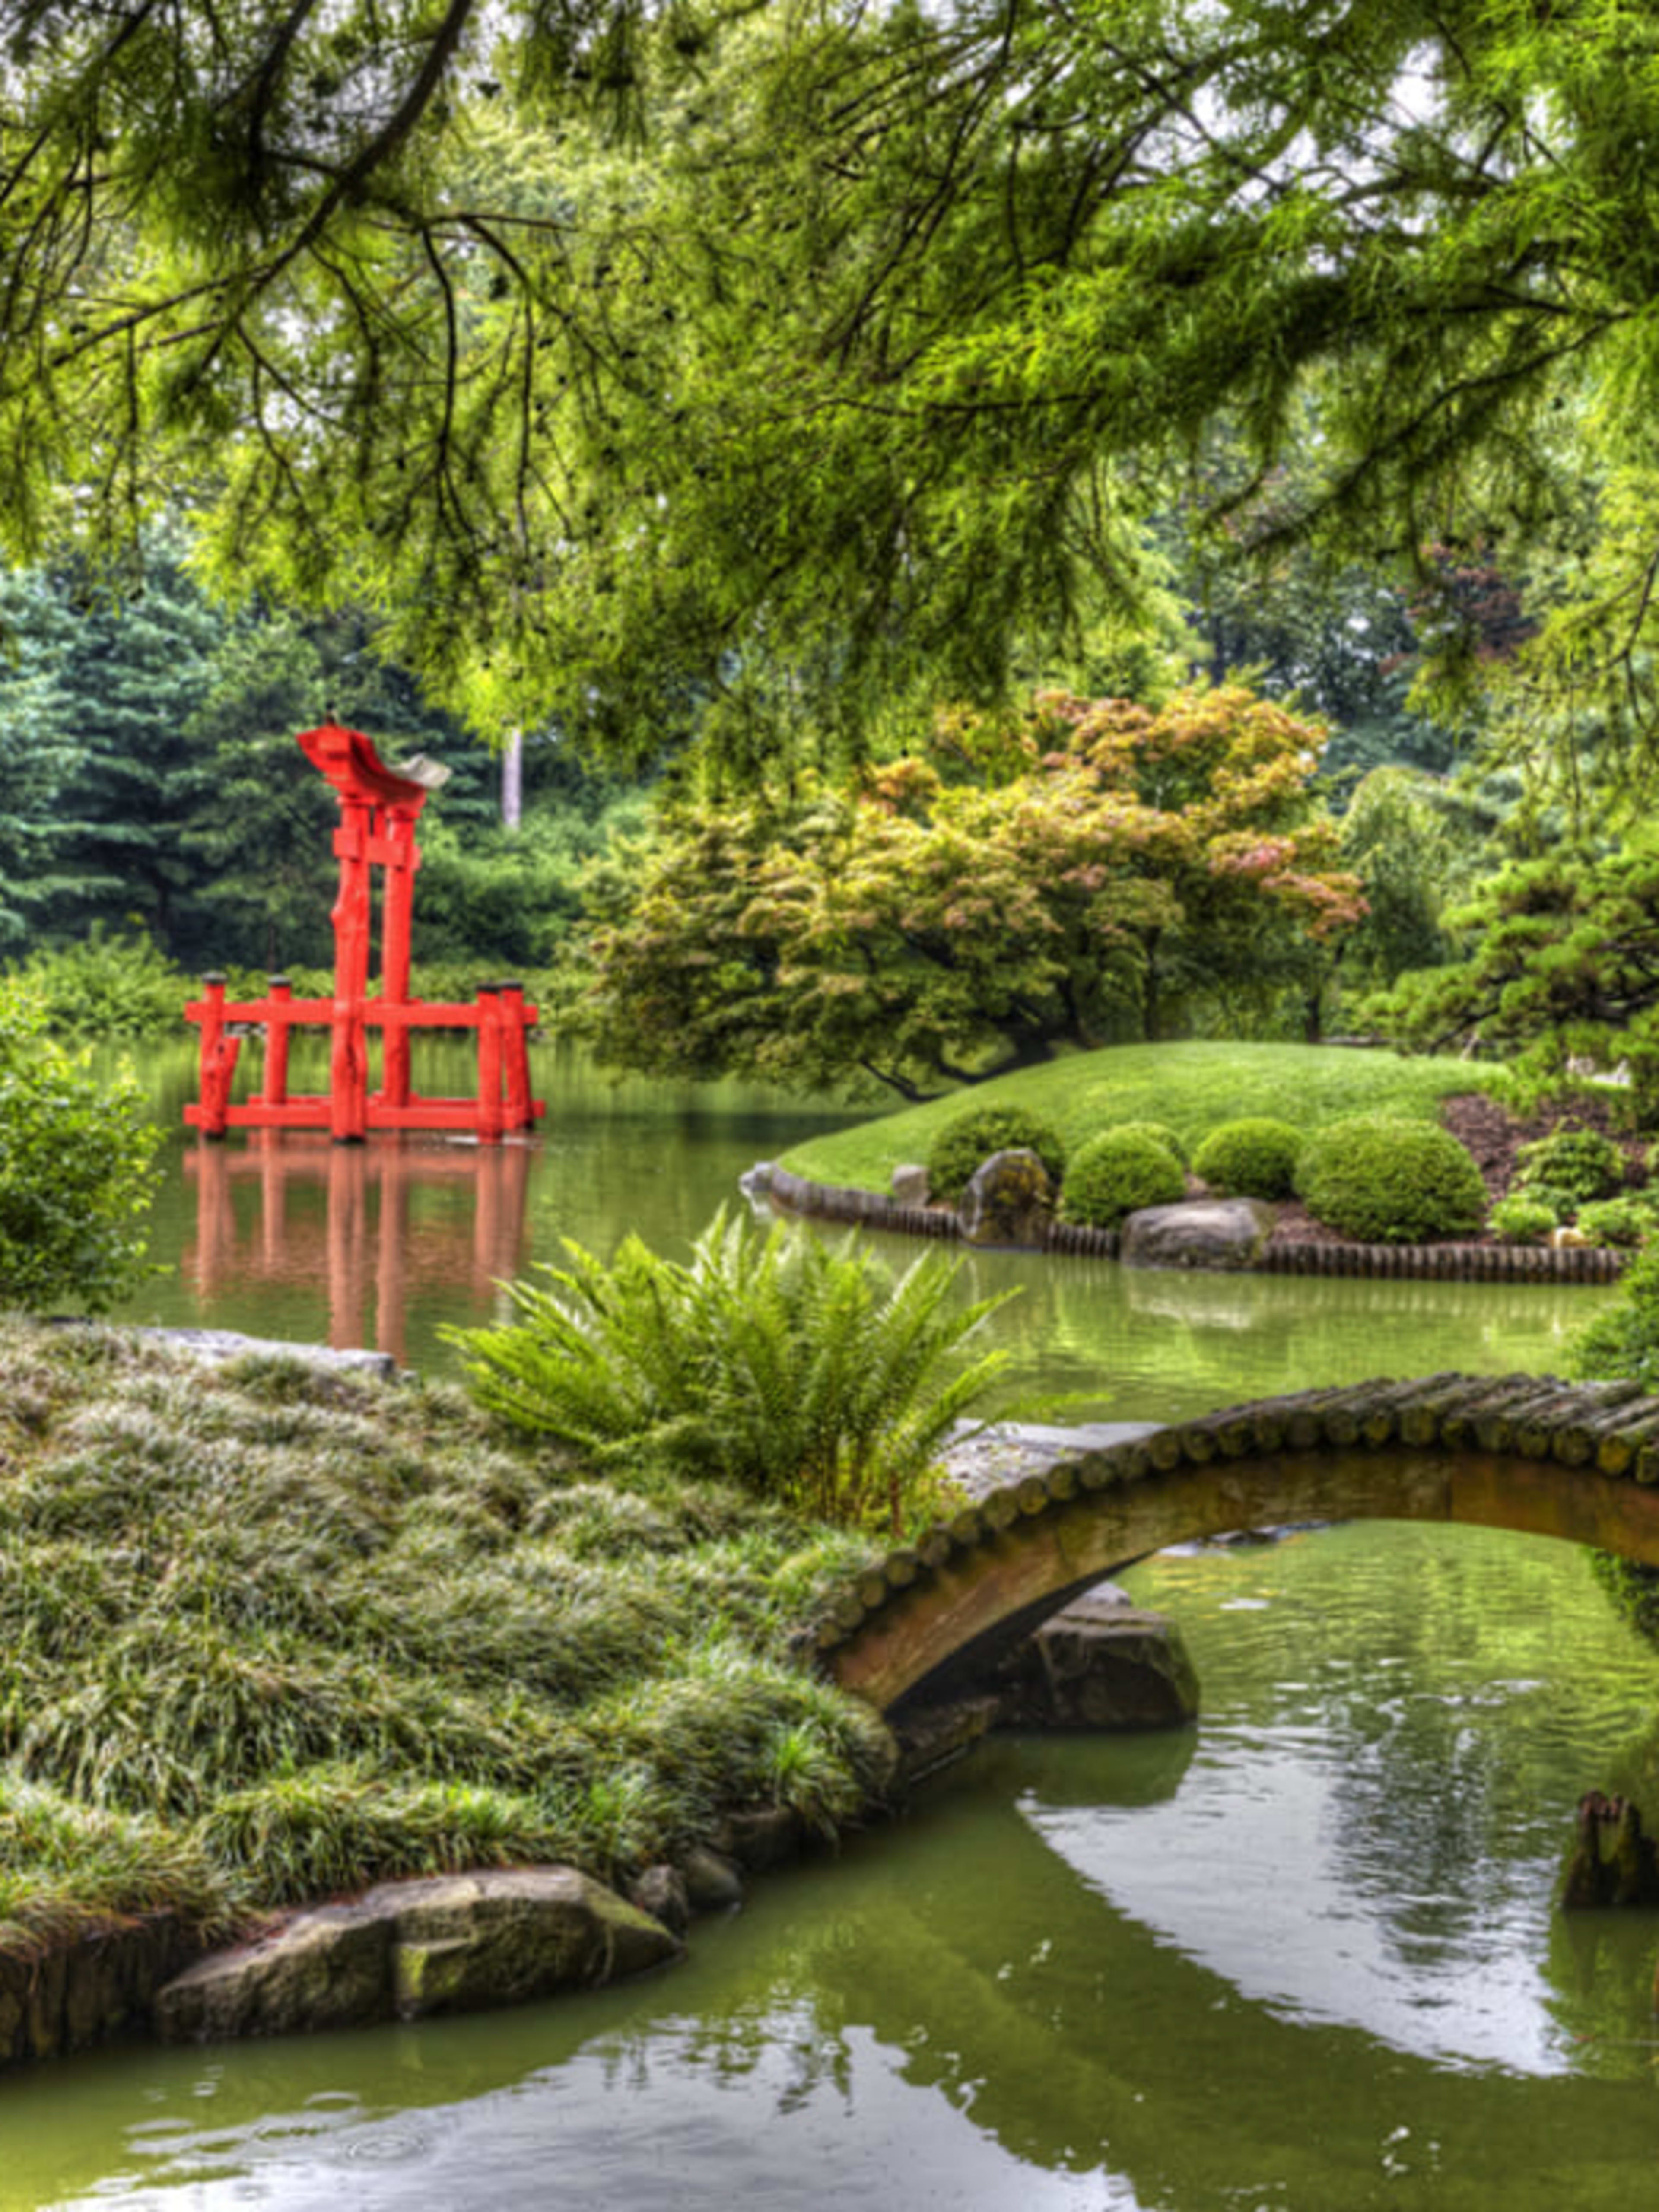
379, 808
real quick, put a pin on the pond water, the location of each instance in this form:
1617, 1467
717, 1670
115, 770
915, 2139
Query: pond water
1301, 1959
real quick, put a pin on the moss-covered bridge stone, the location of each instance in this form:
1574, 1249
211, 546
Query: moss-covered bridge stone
1527, 1452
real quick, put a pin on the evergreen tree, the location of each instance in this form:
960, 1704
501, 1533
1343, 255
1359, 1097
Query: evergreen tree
130, 682
40, 756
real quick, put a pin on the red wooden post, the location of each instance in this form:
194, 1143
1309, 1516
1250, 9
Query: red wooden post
348, 1047
273, 1090
489, 1064
403, 858
219, 1053
515, 1056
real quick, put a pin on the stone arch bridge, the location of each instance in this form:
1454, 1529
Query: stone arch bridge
1577, 1461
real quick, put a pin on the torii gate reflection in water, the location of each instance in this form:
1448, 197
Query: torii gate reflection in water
469, 1231
379, 809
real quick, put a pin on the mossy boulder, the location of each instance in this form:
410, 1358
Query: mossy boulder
1009, 1201
966, 1142
450, 1943
1213, 1232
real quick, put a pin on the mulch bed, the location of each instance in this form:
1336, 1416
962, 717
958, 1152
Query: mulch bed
1494, 1137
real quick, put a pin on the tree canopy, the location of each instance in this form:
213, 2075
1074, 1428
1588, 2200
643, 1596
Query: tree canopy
609, 346
1094, 872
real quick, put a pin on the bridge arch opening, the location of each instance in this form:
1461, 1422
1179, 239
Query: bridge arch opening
1577, 1462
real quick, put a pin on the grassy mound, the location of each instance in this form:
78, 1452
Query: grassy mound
1192, 1087
267, 1634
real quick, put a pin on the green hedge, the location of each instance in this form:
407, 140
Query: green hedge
1255, 1157
1117, 1173
1386, 1182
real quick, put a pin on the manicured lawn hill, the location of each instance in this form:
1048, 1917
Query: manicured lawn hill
1191, 1087
267, 1636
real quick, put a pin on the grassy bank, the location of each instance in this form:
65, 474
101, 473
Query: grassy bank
268, 1635
1191, 1087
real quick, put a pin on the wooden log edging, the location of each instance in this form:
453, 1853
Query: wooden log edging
1444, 1263
1450, 1263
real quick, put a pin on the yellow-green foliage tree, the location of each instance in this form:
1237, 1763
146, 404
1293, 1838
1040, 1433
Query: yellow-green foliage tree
1112, 871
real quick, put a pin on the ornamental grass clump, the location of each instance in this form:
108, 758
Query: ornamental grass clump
1386, 1182
963, 1146
1117, 1173
802, 1371
1255, 1157
268, 1635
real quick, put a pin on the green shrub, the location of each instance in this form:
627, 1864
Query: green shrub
1582, 1163
1633, 1589
109, 985
777, 1362
1561, 1204
1388, 1182
1117, 1173
964, 1143
1161, 1133
1255, 1157
1616, 1221
76, 1178
1521, 1219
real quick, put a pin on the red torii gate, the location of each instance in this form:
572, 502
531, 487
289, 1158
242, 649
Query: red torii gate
379, 809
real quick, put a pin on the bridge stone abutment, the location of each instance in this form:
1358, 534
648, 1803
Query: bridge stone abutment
1579, 1462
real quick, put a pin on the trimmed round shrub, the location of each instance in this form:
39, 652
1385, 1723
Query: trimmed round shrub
1521, 1219
1616, 1221
1581, 1162
1117, 1173
1160, 1132
965, 1143
1254, 1158
1386, 1182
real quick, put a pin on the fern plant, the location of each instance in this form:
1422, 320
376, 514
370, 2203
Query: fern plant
804, 1371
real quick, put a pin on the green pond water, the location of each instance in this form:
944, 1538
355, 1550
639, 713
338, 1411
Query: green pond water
1302, 1958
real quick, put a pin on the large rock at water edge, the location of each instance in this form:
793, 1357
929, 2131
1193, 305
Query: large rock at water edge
466, 1941
1200, 1232
450, 1943
1101, 1663
1008, 1200
328, 1968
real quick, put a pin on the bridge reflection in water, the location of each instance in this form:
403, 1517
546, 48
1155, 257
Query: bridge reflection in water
359, 1219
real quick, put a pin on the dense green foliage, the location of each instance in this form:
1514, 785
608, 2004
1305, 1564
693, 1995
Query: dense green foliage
1115, 1173
1581, 1163
1192, 1086
267, 1634
963, 1144
804, 1373
1254, 1158
1563, 962
1620, 1221
1519, 1219
75, 1170
1623, 1340
940, 289
1161, 1133
155, 791
1388, 1182
1095, 869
